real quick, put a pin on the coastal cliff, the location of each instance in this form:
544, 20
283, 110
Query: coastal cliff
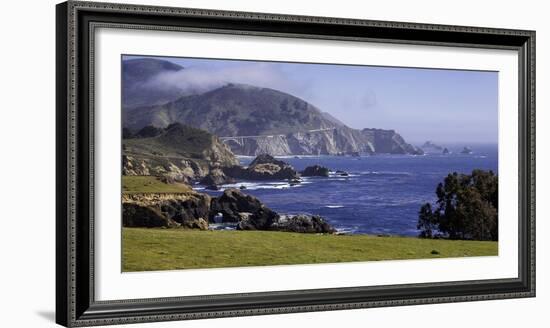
334, 141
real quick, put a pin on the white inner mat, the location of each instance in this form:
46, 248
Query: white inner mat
112, 284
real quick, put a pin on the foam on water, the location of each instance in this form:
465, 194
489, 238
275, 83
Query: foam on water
222, 226
385, 173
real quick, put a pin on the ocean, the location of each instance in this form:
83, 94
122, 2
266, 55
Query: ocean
381, 195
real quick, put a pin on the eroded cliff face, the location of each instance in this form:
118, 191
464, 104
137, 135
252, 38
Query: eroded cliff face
335, 141
174, 168
389, 142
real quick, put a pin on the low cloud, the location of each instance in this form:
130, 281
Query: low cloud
199, 79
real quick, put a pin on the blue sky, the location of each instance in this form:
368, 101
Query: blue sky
444, 106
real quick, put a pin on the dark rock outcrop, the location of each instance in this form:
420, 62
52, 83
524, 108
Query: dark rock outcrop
136, 215
250, 214
303, 223
466, 150
234, 206
445, 151
263, 167
188, 210
315, 171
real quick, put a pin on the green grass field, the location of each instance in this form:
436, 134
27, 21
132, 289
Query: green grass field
138, 184
169, 249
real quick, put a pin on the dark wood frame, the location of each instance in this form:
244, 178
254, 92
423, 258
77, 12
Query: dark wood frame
76, 23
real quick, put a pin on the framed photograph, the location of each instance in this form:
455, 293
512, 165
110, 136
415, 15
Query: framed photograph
214, 163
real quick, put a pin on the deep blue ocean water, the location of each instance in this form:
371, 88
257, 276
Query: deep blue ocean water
381, 195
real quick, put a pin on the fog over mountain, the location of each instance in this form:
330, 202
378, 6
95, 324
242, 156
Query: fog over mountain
137, 89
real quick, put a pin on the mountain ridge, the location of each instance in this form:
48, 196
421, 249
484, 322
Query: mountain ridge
254, 120
234, 110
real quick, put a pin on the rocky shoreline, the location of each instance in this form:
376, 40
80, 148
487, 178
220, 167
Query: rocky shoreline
194, 210
185, 155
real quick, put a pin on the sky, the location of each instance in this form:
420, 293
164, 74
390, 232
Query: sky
445, 106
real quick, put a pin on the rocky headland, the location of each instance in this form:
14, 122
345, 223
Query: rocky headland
179, 152
194, 210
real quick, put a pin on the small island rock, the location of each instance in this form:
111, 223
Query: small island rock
263, 167
315, 171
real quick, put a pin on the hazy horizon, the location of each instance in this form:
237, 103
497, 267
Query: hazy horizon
444, 106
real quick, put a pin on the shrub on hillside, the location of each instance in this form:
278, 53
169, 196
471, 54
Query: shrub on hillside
466, 208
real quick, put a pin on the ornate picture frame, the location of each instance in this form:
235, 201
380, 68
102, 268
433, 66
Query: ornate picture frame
77, 23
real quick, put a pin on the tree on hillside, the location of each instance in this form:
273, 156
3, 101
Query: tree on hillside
466, 208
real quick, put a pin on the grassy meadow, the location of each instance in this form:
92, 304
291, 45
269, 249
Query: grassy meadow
150, 184
171, 249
